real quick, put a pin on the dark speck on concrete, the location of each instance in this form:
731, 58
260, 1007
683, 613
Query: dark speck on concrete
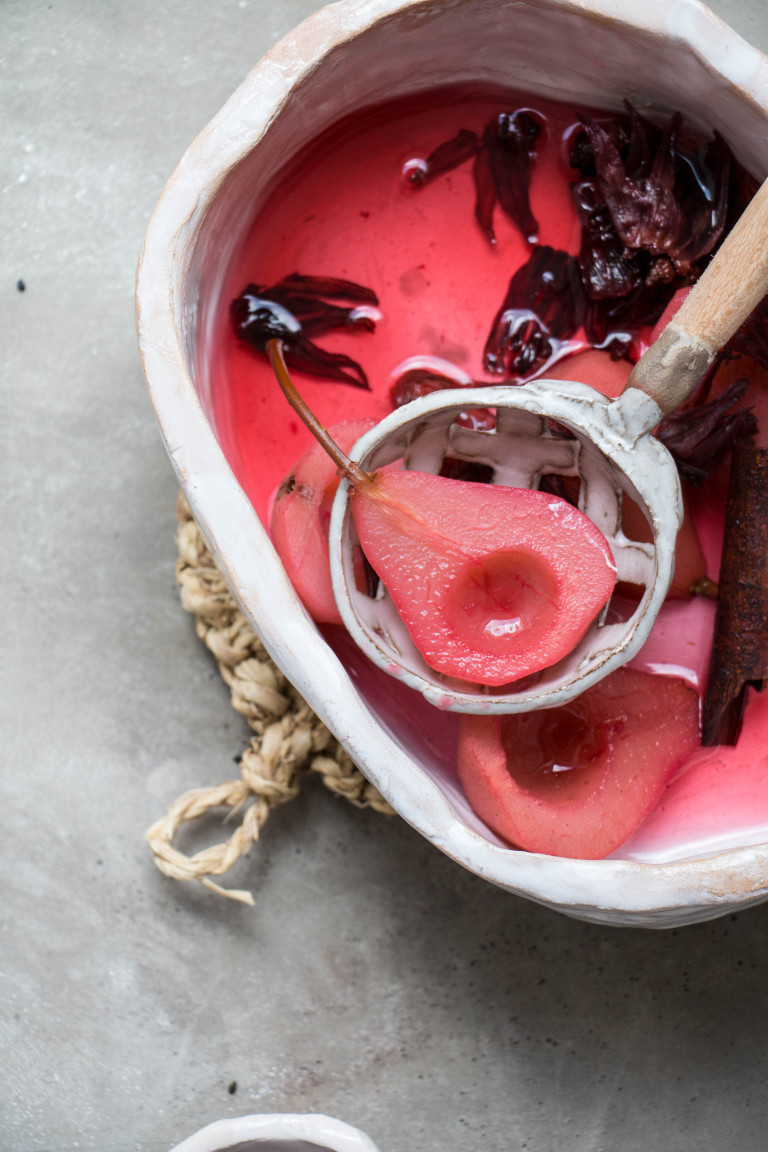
20, 286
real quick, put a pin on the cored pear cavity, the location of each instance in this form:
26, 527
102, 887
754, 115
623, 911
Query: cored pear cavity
579, 779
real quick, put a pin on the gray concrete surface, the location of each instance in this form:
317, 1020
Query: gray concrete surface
374, 980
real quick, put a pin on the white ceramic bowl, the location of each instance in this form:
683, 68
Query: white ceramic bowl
671, 55
278, 1133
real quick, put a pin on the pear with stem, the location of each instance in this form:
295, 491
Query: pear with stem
493, 583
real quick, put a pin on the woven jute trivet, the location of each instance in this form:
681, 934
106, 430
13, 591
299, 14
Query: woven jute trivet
290, 740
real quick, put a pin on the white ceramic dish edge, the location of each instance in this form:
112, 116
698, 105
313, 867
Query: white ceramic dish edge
279, 1128
604, 891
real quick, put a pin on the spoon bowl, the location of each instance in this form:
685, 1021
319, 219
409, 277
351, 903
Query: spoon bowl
521, 449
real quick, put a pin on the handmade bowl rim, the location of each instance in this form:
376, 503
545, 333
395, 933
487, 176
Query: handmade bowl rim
606, 891
310, 1127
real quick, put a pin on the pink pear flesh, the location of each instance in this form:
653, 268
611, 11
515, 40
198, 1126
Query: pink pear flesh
300, 520
578, 780
493, 583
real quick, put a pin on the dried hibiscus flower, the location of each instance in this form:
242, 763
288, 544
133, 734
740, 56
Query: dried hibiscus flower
649, 212
445, 158
700, 437
607, 268
703, 188
582, 158
509, 149
542, 310
661, 200
503, 159
417, 382
752, 338
639, 190
298, 306
614, 325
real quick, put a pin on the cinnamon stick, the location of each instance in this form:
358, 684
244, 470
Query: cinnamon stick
740, 647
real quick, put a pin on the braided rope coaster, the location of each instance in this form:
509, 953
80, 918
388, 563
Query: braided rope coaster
290, 740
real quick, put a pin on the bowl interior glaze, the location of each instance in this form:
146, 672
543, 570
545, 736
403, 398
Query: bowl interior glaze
275, 1146
353, 55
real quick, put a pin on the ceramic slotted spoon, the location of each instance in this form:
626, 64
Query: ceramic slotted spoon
612, 451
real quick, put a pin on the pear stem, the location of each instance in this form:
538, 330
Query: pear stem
351, 471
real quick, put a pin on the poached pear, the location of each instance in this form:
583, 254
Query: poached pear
493, 583
577, 780
300, 518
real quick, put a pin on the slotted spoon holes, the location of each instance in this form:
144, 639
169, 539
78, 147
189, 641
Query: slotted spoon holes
519, 449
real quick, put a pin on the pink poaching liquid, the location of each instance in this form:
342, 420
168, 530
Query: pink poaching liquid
347, 211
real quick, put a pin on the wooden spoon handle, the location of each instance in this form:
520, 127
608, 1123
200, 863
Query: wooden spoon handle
732, 285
